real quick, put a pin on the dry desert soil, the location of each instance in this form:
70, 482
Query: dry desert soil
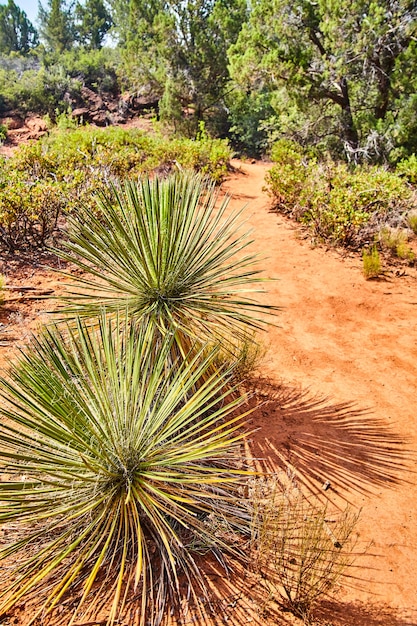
338, 386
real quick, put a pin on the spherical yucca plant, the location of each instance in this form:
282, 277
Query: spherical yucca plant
168, 252
113, 472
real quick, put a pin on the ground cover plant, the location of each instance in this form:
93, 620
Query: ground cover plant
44, 181
340, 204
119, 471
372, 266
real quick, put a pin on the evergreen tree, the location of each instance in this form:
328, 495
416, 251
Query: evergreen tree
179, 47
346, 69
57, 24
93, 23
17, 34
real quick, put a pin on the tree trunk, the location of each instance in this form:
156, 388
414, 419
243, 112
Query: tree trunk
349, 130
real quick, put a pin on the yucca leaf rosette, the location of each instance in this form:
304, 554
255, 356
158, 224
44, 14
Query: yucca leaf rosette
114, 470
172, 254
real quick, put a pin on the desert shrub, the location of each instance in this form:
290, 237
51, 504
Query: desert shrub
301, 550
38, 90
408, 168
96, 69
167, 252
50, 178
29, 211
46, 85
412, 221
289, 179
339, 204
396, 241
118, 474
372, 266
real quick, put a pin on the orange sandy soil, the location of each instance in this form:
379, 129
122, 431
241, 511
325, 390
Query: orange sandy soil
339, 389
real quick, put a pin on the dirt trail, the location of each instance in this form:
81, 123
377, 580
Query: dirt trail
343, 364
339, 384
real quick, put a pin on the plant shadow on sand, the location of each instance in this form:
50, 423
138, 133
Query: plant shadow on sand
328, 448
241, 599
339, 613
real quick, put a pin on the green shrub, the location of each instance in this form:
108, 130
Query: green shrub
43, 86
408, 168
338, 204
52, 177
29, 211
289, 179
372, 266
118, 474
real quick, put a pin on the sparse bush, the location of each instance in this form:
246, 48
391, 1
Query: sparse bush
338, 204
391, 238
242, 355
301, 550
372, 266
51, 178
403, 251
396, 241
412, 221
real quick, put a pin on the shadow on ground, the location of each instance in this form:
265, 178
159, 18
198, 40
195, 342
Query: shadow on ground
327, 446
338, 613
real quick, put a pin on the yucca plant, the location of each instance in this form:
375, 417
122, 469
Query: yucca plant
114, 473
164, 250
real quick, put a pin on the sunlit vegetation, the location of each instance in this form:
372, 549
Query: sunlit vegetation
49, 179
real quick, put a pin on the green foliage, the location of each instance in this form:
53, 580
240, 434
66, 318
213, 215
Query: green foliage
301, 550
179, 50
167, 253
345, 72
396, 240
248, 115
38, 90
3, 133
289, 180
51, 178
29, 210
17, 33
57, 27
339, 204
46, 86
372, 266
93, 23
117, 473
408, 168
